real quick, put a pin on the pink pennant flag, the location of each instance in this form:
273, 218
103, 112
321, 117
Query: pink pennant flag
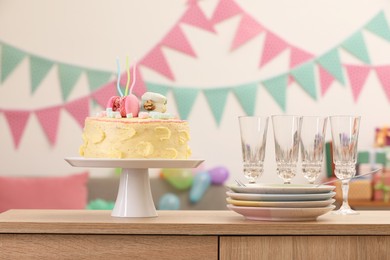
156, 61
17, 121
49, 119
247, 29
273, 46
102, 95
79, 109
176, 40
383, 73
326, 79
194, 16
298, 56
139, 87
224, 10
357, 75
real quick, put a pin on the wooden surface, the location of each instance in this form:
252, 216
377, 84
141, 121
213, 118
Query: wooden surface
81, 234
305, 247
59, 246
187, 223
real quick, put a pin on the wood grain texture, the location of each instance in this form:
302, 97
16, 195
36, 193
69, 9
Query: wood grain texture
187, 223
305, 247
41, 246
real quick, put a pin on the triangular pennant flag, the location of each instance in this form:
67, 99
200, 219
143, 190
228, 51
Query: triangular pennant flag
17, 121
383, 73
156, 61
103, 94
185, 98
97, 78
216, 98
39, 67
273, 46
10, 59
158, 88
298, 56
378, 25
68, 75
330, 61
139, 88
247, 30
224, 10
49, 119
79, 109
357, 77
246, 95
277, 87
304, 76
194, 16
326, 80
357, 47
177, 40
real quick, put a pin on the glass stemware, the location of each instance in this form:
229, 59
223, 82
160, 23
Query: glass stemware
287, 131
345, 132
312, 146
253, 130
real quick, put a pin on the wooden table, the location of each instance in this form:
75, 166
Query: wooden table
73, 234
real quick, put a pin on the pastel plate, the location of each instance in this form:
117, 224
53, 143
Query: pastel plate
281, 204
282, 188
281, 214
281, 197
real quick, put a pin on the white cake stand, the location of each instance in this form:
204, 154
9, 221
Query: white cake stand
134, 197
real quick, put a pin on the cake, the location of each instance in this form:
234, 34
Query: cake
136, 129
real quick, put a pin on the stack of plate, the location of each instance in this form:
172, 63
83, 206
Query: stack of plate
281, 202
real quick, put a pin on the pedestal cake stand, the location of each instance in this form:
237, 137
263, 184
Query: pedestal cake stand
134, 197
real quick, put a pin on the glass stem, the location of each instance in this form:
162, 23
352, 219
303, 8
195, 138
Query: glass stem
345, 190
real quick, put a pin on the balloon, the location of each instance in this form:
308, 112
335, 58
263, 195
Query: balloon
202, 181
169, 201
100, 204
181, 179
219, 175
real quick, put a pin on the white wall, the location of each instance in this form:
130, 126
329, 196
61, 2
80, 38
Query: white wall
93, 33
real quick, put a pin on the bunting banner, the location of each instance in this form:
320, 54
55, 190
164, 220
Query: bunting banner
302, 69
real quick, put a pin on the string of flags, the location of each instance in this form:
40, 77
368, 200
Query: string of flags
302, 69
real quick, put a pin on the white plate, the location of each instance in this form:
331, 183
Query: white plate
281, 214
281, 204
281, 197
133, 163
281, 188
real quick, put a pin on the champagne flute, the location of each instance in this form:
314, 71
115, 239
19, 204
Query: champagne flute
345, 132
287, 132
312, 146
253, 130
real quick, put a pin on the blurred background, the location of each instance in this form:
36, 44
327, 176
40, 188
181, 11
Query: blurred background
215, 60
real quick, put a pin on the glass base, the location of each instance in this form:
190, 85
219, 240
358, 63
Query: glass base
345, 211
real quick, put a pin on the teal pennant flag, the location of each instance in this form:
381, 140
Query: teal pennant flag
185, 99
330, 61
68, 77
97, 78
246, 95
216, 98
10, 59
39, 67
304, 75
357, 47
379, 26
277, 87
157, 88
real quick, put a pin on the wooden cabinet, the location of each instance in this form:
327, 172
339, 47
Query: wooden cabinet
69, 234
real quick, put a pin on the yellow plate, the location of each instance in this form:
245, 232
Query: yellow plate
281, 204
